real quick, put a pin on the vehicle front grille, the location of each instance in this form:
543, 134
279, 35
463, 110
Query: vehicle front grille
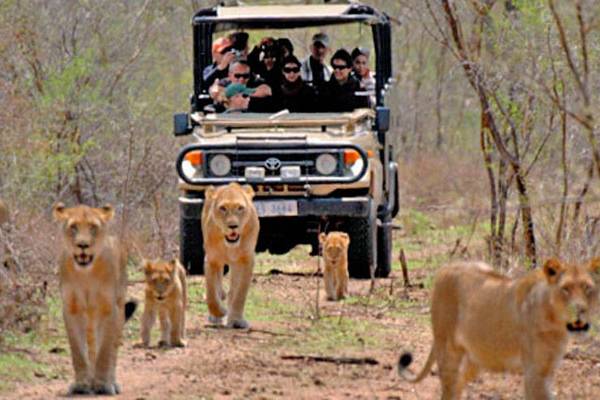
273, 161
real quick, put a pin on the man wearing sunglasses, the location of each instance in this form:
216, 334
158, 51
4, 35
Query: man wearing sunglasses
340, 92
239, 72
237, 98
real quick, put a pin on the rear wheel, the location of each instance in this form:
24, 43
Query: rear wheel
362, 254
191, 248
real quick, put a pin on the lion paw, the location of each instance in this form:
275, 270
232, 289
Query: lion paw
80, 388
238, 324
215, 320
163, 344
179, 343
141, 345
107, 389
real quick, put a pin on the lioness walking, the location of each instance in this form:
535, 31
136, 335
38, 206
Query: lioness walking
230, 228
93, 284
486, 321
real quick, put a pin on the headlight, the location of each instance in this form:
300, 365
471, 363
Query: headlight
326, 164
220, 165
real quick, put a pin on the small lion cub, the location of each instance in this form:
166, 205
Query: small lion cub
166, 295
335, 255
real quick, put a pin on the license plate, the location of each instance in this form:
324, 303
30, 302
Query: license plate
276, 208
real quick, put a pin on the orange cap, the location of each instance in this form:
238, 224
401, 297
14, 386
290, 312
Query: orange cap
220, 44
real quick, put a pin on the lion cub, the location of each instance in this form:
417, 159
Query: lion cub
166, 295
486, 321
93, 286
335, 256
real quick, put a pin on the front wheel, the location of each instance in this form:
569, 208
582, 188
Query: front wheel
191, 246
384, 249
362, 254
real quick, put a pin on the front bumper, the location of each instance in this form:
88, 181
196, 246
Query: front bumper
356, 207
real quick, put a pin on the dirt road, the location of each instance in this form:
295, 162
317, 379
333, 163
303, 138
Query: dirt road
282, 308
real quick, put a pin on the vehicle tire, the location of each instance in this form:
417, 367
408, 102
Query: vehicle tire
384, 249
362, 254
191, 247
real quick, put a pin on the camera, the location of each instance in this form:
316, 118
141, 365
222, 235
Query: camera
236, 52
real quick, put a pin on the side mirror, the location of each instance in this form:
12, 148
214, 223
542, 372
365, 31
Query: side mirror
181, 124
382, 119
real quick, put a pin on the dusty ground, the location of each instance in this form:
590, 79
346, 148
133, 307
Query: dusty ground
250, 364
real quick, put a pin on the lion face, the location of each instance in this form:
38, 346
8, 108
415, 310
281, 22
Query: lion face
84, 230
335, 245
160, 276
231, 205
574, 291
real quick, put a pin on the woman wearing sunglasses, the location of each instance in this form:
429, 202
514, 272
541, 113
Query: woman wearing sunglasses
296, 95
340, 92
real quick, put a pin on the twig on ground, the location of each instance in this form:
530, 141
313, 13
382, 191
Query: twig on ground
335, 360
404, 266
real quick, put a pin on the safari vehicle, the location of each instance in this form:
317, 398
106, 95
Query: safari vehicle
312, 172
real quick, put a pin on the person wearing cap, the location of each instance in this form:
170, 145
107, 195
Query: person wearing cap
237, 98
294, 94
360, 63
221, 60
340, 93
239, 72
314, 68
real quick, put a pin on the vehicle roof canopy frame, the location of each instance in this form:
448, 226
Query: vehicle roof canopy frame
210, 20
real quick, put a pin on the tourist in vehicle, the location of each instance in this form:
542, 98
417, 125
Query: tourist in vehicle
264, 60
286, 48
314, 68
295, 95
360, 63
237, 98
239, 72
221, 60
340, 92
239, 45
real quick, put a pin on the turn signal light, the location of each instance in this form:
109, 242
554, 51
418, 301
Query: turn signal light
194, 158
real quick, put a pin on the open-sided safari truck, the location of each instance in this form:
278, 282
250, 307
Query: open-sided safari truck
312, 172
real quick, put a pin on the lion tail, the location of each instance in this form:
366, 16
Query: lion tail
406, 359
130, 308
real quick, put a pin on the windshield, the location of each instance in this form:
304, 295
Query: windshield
308, 70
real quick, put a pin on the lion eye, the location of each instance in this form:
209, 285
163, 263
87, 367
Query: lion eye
73, 230
94, 230
565, 291
588, 290
223, 209
240, 209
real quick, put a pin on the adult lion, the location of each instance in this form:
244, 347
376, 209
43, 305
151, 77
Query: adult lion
230, 228
93, 284
486, 321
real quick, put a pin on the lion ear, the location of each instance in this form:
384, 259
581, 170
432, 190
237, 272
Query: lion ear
209, 192
552, 270
146, 266
249, 191
174, 262
594, 268
346, 238
108, 212
58, 212
322, 237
